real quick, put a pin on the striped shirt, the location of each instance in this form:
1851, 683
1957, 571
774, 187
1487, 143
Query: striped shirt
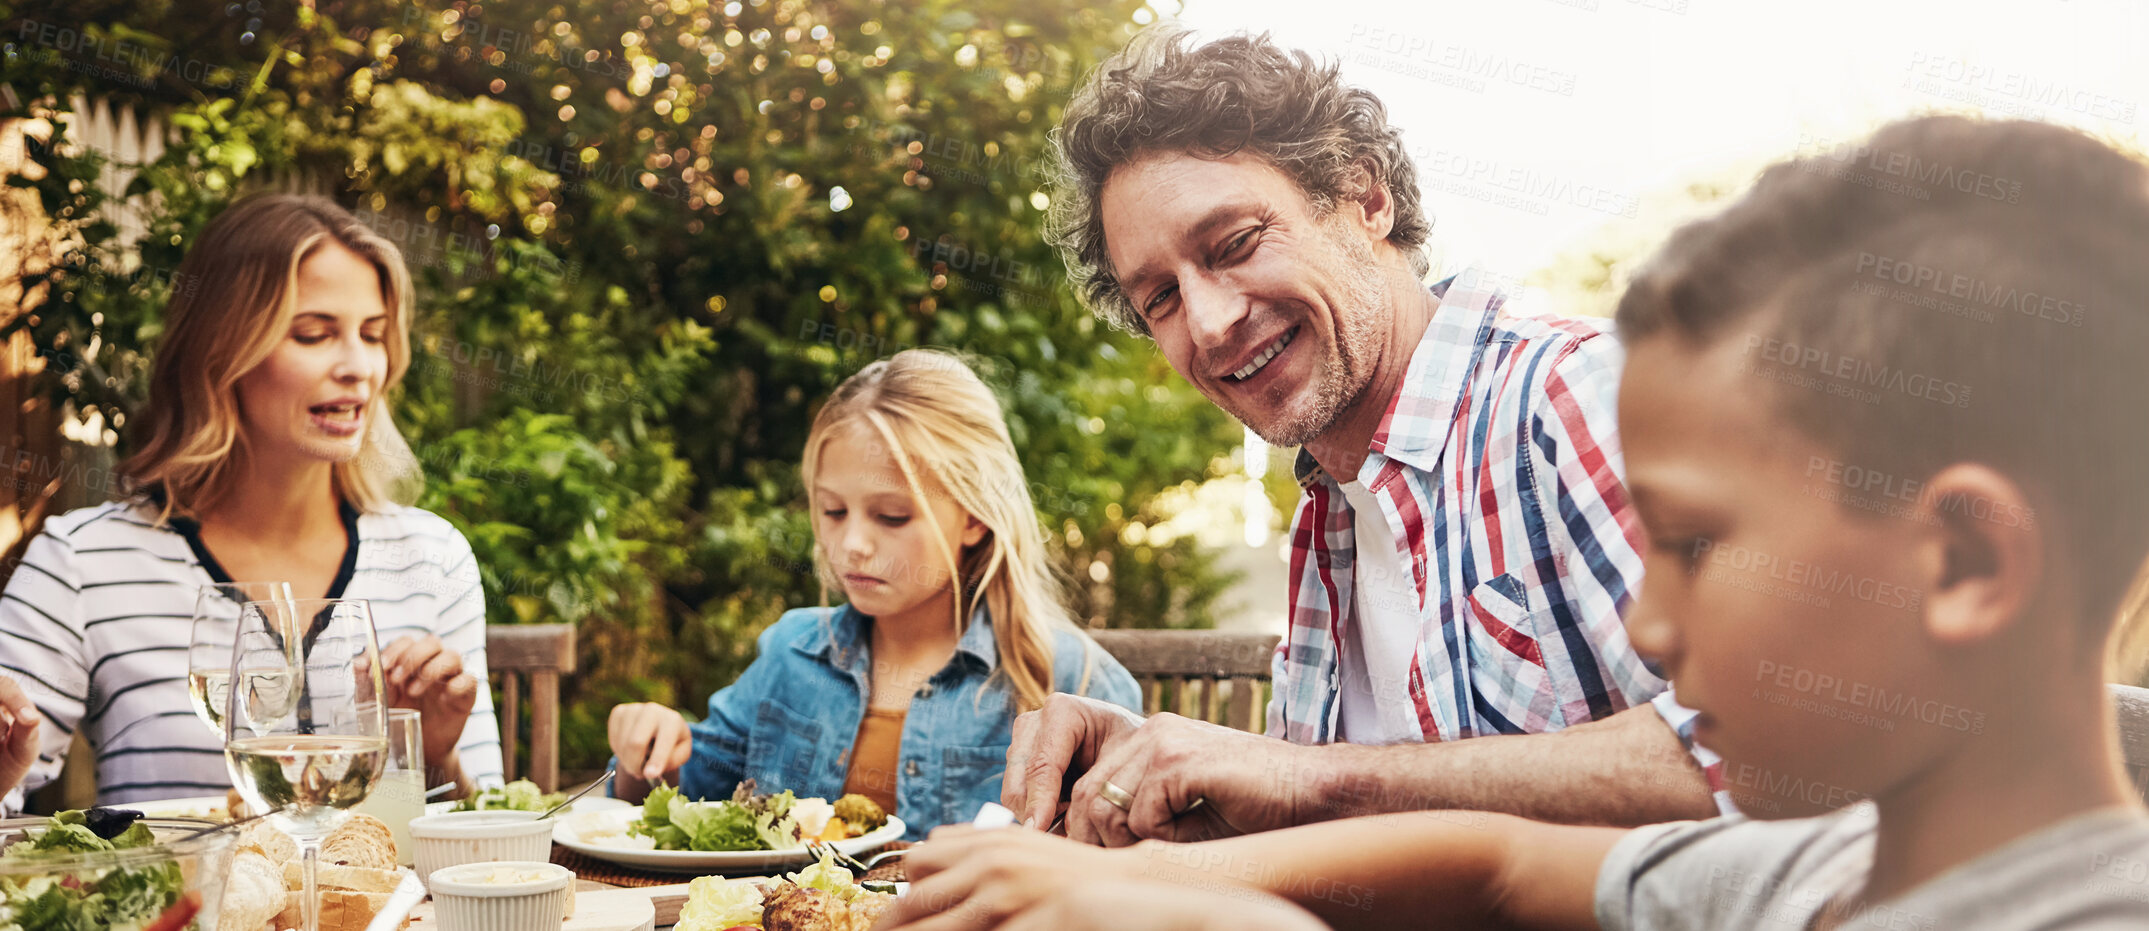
96, 621
1497, 467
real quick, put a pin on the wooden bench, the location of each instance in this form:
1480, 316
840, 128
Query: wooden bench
1209, 675
541, 653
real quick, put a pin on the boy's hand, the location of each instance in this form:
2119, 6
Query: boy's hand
1011, 878
19, 722
652, 741
422, 673
966, 877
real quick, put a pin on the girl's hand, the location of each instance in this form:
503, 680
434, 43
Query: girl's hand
652, 742
19, 721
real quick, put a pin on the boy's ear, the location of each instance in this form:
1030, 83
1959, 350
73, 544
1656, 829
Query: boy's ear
1984, 572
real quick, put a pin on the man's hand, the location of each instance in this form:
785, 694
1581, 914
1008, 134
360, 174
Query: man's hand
1052, 745
422, 673
1250, 783
964, 878
19, 720
652, 741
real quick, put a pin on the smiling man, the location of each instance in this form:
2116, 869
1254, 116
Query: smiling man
1464, 547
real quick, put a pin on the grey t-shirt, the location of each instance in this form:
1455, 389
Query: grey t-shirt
2091, 871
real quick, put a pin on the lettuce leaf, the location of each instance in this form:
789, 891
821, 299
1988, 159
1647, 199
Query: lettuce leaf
678, 824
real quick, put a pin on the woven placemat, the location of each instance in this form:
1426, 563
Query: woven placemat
611, 873
615, 874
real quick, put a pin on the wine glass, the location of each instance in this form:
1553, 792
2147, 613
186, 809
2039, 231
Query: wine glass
216, 616
306, 727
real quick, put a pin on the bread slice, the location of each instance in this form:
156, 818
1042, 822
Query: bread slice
253, 894
340, 911
346, 878
362, 841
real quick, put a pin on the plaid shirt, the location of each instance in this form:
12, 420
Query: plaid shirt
1499, 462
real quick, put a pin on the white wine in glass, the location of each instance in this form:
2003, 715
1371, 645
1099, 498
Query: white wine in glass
216, 619
305, 723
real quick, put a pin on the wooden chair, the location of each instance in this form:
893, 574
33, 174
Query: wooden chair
1208, 675
542, 653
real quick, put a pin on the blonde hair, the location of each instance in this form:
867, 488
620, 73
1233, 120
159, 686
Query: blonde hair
232, 303
943, 424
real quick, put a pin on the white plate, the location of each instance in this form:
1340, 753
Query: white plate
569, 833
585, 803
203, 806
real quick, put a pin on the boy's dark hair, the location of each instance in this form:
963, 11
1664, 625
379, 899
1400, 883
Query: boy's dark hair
1238, 94
1949, 290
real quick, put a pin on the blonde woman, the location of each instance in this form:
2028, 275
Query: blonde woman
952, 623
265, 453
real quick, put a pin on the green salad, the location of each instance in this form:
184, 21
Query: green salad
745, 822
130, 899
520, 795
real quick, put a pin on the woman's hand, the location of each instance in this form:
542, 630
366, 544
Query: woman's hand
652, 741
422, 673
19, 722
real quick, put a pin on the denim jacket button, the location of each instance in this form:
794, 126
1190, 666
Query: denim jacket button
910, 768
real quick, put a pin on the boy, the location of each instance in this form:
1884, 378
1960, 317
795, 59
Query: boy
1885, 444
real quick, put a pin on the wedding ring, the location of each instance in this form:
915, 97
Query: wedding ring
1120, 798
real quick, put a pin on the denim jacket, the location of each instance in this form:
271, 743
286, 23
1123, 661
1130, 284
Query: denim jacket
789, 720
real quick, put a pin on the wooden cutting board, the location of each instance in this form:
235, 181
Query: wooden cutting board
599, 910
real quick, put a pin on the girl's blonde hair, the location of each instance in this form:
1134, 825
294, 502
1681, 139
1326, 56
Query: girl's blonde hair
944, 426
232, 303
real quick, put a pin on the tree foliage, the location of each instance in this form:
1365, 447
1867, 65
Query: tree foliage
650, 238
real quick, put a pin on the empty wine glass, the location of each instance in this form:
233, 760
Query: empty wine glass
216, 620
306, 727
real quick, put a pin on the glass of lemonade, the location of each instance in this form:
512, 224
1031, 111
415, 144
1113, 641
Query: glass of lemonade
216, 619
306, 726
400, 794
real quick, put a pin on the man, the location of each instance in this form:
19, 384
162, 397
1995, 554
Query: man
1464, 547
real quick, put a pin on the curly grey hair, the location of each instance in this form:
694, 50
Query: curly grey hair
1242, 93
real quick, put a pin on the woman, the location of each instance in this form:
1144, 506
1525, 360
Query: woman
265, 452
953, 623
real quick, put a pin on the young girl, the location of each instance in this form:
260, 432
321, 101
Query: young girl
265, 453
907, 693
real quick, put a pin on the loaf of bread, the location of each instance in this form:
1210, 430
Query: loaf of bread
356, 873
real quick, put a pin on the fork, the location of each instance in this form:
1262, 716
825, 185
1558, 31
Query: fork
822, 850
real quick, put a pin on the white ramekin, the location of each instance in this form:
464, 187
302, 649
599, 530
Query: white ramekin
464, 901
460, 837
